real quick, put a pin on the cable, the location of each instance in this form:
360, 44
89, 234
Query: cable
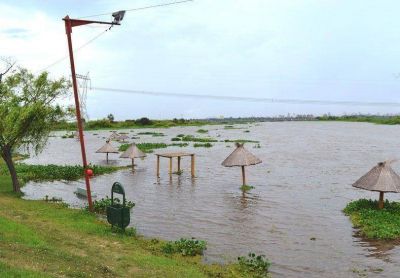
75, 50
142, 8
249, 99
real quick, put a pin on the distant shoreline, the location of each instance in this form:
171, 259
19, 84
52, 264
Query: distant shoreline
147, 123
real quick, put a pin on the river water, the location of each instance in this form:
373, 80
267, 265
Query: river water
293, 215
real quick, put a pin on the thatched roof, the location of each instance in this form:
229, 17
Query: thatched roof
107, 148
133, 152
381, 178
240, 157
114, 136
123, 137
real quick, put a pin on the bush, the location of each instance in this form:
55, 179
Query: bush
257, 266
185, 247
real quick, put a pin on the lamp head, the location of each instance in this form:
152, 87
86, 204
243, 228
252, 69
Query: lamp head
118, 16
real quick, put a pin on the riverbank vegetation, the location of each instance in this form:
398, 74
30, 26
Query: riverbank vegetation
27, 172
374, 222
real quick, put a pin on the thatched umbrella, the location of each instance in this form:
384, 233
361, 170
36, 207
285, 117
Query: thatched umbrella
123, 137
114, 136
381, 178
107, 148
133, 152
241, 157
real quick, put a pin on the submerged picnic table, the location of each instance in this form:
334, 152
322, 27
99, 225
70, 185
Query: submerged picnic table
178, 155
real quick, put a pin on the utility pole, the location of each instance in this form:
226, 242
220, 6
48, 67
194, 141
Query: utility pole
69, 23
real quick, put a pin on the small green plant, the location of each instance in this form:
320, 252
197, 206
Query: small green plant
180, 172
176, 139
180, 135
185, 247
203, 145
246, 188
100, 206
256, 266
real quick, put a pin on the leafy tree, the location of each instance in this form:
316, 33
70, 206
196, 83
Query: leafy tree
28, 110
110, 117
144, 121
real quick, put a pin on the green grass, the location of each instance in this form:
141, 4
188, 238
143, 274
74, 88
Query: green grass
42, 239
373, 222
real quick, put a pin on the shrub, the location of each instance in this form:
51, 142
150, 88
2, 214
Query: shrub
256, 266
185, 247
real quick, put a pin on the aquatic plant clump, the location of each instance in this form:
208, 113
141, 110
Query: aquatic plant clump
256, 266
374, 222
246, 188
191, 138
202, 145
185, 247
154, 134
241, 141
144, 147
202, 131
52, 172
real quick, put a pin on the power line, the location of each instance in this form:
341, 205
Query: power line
249, 99
75, 50
142, 8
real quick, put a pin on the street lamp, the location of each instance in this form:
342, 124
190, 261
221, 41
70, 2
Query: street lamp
69, 23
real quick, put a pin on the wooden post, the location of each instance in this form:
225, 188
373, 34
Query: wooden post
179, 164
107, 157
381, 200
192, 164
170, 165
133, 165
243, 175
158, 166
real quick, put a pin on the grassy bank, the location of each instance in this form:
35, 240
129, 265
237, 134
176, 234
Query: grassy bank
41, 239
374, 222
386, 120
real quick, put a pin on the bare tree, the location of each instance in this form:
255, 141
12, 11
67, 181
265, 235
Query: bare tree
9, 63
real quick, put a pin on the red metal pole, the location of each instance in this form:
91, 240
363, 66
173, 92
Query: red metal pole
68, 29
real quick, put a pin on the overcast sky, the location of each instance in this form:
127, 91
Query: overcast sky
304, 49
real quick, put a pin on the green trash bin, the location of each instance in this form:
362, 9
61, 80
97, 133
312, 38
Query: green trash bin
118, 215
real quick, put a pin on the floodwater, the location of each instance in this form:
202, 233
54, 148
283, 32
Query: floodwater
293, 215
